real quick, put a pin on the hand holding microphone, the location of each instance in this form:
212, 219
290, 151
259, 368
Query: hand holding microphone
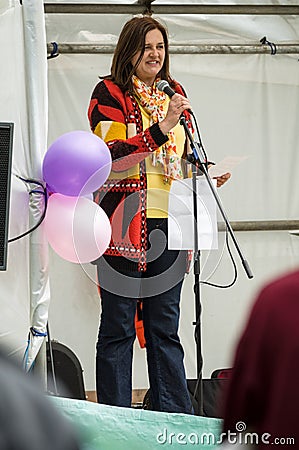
177, 105
164, 86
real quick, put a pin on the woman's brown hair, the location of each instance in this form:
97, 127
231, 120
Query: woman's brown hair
132, 40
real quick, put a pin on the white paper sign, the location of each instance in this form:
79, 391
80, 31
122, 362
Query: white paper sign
226, 165
181, 216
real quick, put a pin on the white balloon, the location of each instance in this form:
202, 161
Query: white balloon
77, 229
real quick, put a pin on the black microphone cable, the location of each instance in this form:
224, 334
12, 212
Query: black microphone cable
235, 275
42, 191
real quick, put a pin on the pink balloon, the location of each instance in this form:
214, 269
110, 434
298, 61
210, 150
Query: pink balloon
77, 228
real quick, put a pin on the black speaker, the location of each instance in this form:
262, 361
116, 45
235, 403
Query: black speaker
68, 373
6, 138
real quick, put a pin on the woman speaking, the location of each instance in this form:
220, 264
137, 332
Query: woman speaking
140, 125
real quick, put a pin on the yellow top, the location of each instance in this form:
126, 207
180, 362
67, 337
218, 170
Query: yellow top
157, 189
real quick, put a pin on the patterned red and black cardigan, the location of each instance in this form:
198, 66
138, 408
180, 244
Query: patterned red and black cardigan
110, 107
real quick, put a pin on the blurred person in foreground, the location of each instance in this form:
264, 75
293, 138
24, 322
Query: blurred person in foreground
28, 419
141, 126
263, 393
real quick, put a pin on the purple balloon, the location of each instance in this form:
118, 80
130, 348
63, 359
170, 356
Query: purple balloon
77, 163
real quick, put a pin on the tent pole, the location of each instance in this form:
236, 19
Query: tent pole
291, 48
138, 8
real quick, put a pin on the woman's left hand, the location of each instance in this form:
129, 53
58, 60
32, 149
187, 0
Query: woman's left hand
222, 179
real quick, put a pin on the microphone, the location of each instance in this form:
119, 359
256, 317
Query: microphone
163, 86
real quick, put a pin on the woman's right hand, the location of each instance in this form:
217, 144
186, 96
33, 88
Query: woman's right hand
177, 105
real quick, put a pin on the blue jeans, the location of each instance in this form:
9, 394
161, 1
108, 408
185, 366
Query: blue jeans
159, 288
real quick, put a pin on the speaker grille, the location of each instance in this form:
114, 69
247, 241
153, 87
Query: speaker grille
6, 134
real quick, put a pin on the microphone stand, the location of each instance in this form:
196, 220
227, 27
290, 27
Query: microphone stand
197, 159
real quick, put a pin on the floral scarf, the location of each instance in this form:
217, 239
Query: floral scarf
152, 100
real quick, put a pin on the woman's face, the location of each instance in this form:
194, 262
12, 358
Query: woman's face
153, 58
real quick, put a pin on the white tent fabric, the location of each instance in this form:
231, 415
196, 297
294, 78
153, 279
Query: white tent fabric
24, 83
245, 105
37, 100
14, 289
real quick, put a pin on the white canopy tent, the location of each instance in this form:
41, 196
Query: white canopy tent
246, 103
25, 286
